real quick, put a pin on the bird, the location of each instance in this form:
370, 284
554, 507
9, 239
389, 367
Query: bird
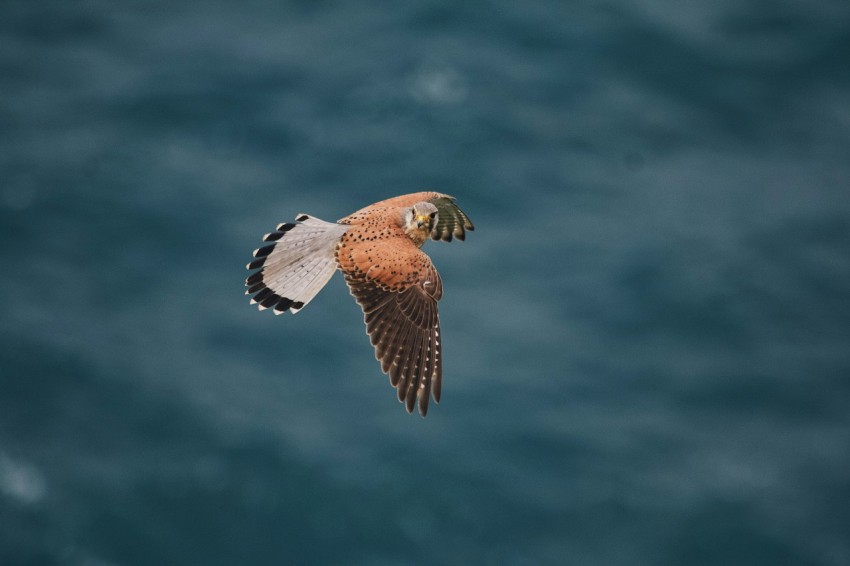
378, 251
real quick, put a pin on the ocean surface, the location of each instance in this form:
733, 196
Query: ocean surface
647, 336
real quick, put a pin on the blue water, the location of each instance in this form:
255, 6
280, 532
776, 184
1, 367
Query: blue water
646, 337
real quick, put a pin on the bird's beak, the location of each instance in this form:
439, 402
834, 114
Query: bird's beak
422, 220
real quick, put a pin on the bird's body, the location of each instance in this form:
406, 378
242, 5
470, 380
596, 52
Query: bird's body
377, 249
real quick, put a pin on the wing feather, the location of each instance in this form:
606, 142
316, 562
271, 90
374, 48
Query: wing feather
384, 338
451, 221
427, 372
402, 359
438, 362
401, 326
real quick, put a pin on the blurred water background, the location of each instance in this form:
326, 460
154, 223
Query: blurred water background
646, 337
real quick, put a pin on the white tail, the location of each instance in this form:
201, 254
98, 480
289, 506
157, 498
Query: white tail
296, 266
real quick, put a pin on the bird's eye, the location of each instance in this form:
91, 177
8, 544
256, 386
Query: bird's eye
433, 214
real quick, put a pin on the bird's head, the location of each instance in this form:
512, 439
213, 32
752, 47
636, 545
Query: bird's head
419, 220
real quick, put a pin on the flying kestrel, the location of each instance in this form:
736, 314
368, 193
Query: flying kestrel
393, 281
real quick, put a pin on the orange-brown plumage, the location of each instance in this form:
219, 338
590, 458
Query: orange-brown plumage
393, 281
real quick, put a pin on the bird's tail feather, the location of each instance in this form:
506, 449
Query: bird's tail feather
295, 265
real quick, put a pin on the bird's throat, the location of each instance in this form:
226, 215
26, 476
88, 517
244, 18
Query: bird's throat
418, 235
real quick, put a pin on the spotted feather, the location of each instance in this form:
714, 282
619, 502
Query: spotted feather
377, 249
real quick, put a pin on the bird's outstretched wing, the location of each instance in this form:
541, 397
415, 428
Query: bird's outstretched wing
398, 287
451, 221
